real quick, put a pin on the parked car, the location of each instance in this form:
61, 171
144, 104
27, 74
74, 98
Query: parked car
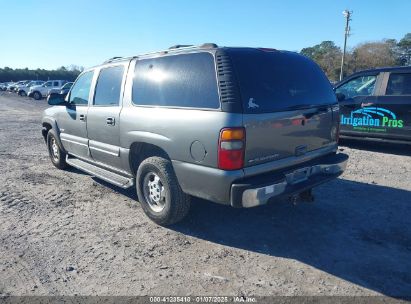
237, 126
63, 90
19, 84
38, 92
11, 86
3, 86
23, 90
376, 105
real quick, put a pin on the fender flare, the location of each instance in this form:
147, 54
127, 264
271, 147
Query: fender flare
54, 130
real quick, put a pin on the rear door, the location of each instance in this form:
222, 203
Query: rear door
360, 94
103, 122
287, 105
394, 106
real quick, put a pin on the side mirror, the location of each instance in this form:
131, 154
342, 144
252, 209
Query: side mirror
55, 99
340, 96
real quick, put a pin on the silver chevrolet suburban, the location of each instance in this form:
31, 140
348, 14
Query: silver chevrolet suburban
236, 126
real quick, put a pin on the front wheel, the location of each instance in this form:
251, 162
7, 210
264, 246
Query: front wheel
159, 193
37, 95
57, 155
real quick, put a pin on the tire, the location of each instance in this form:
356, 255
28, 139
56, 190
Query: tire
159, 193
37, 95
57, 155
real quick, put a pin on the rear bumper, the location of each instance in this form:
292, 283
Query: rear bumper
257, 190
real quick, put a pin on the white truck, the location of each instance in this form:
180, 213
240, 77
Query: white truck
38, 92
24, 89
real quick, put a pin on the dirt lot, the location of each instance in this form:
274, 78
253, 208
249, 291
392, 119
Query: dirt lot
66, 233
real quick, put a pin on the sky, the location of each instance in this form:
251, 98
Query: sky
49, 34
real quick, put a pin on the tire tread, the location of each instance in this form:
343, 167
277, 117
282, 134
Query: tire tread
62, 161
180, 202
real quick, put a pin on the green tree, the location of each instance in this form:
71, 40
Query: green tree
404, 48
8, 74
328, 57
372, 55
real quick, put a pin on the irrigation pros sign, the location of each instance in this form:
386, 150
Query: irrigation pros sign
372, 119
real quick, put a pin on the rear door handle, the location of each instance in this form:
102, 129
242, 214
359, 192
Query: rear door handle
82, 117
110, 121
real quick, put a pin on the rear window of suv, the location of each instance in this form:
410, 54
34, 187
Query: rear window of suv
272, 81
187, 80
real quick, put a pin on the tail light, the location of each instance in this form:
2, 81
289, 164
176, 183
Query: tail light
231, 147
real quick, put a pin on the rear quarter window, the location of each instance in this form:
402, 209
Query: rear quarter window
186, 80
399, 84
108, 86
273, 81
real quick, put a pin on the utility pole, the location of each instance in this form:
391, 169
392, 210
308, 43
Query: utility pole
347, 14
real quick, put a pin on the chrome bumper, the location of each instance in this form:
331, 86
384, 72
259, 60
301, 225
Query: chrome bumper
259, 196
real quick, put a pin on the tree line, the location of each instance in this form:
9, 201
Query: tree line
387, 52
69, 73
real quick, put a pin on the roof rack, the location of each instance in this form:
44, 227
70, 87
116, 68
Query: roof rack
209, 45
202, 46
179, 46
173, 48
113, 59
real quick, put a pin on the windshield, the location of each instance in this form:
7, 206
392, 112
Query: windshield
67, 85
273, 81
360, 86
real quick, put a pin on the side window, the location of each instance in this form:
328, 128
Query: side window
108, 86
399, 84
187, 80
359, 86
47, 84
81, 89
55, 84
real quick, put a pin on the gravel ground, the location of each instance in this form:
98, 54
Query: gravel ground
66, 233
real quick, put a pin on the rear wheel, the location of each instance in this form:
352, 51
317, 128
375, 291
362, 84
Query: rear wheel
159, 193
37, 95
57, 155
